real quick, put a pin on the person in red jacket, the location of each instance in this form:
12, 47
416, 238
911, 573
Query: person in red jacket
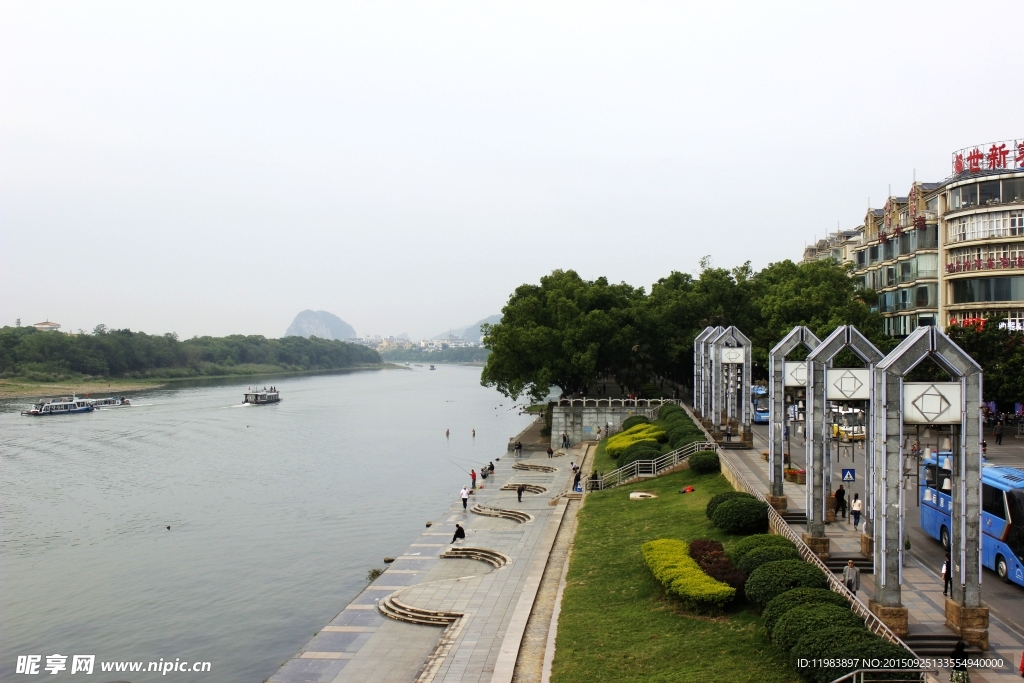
472, 478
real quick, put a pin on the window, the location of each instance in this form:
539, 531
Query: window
927, 296
908, 242
928, 238
889, 250
1013, 190
968, 196
927, 265
908, 270
977, 290
954, 199
890, 276
932, 204
1017, 222
992, 501
861, 257
989, 192
873, 254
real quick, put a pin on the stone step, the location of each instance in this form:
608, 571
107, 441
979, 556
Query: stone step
393, 609
515, 515
491, 557
836, 562
534, 467
937, 644
795, 517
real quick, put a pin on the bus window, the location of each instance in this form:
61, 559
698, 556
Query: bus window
1015, 539
992, 501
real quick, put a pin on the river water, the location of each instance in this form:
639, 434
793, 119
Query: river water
276, 513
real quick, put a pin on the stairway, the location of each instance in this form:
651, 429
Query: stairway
733, 445
514, 515
534, 467
491, 557
392, 607
795, 517
529, 488
937, 644
837, 562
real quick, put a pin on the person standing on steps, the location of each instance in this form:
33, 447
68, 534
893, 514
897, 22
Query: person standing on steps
472, 479
519, 492
841, 501
851, 577
855, 507
460, 533
947, 576
958, 672
465, 497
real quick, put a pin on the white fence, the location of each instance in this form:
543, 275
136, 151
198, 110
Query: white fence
648, 468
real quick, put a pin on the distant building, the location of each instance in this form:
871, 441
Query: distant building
47, 326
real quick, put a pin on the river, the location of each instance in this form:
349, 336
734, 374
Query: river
276, 513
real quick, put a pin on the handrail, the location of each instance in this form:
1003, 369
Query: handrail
777, 524
858, 676
621, 402
650, 468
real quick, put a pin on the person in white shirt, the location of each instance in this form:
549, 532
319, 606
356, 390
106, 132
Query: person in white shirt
465, 497
855, 509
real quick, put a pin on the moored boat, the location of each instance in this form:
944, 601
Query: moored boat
60, 406
110, 402
259, 398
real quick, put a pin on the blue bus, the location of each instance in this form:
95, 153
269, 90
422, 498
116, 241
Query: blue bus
759, 404
1002, 514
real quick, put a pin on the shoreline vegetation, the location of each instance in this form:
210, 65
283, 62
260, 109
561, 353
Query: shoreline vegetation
34, 363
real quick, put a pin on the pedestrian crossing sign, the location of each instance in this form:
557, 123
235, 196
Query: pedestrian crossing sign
849, 475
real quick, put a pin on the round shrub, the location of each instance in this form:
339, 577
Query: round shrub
799, 621
641, 450
795, 598
668, 409
838, 643
634, 421
704, 462
769, 553
775, 578
720, 498
744, 546
741, 516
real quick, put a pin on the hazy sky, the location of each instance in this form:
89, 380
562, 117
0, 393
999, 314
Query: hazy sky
213, 168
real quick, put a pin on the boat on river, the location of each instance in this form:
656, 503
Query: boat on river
60, 406
258, 398
110, 402
432, 367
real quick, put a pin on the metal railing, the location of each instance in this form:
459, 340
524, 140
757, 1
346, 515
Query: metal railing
885, 675
618, 402
648, 468
779, 526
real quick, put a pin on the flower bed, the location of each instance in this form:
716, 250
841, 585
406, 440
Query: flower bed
670, 562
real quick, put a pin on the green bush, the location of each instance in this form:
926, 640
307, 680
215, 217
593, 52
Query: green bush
799, 621
795, 598
746, 545
720, 498
775, 578
641, 432
843, 643
668, 409
771, 553
670, 562
741, 516
641, 450
704, 462
634, 421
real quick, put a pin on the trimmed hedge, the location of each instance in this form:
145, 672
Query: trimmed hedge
712, 559
641, 450
838, 643
771, 553
668, 409
720, 498
617, 443
799, 621
742, 547
741, 516
775, 578
633, 421
795, 598
671, 564
704, 462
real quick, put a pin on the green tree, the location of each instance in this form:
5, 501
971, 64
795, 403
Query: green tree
1000, 353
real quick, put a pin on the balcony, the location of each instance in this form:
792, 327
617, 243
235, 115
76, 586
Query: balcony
972, 265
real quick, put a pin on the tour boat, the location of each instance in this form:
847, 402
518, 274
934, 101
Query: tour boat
260, 397
60, 406
432, 367
112, 402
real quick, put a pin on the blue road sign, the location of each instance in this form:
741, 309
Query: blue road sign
849, 475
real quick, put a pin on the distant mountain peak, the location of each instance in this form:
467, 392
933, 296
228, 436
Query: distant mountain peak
470, 333
320, 324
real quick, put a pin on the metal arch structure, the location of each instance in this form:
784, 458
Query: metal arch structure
964, 612
700, 375
818, 363
730, 389
798, 336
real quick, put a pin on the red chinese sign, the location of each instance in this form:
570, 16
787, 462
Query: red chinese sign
1007, 154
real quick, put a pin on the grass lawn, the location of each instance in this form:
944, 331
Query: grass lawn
618, 625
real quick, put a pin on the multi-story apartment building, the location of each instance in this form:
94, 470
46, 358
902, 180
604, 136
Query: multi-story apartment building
947, 252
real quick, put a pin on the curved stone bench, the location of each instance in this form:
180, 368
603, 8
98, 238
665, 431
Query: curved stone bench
491, 557
533, 467
514, 515
394, 608
532, 488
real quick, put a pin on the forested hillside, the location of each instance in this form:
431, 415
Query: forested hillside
51, 356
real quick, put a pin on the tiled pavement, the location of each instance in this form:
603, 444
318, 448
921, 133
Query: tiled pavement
921, 588
361, 644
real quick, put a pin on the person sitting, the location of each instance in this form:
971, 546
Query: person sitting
460, 533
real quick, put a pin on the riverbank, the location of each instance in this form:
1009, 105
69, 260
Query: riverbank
19, 387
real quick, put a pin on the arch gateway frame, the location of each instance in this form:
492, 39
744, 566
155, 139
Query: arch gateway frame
730, 382
777, 416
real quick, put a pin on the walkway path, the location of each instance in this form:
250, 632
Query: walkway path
922, 587
495, 603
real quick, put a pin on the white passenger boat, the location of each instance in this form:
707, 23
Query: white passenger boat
60, 406
111, 402
259, 398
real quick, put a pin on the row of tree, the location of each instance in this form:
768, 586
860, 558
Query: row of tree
569, 332
24, 351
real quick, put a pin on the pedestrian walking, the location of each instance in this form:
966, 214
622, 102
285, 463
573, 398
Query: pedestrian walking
472, 478
1022, 665
551, 453
947, 576
460, 533
841, 501
519, 449
465, 497
997, 432
851, 577
519, 492
958, 672
855, 508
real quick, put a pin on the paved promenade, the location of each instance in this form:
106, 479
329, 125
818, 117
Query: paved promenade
480, 606
922, 587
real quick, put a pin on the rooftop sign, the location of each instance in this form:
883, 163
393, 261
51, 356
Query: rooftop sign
989, 157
